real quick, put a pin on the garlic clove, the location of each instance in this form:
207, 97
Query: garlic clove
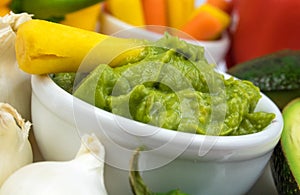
81, 176
15, 148
15, 87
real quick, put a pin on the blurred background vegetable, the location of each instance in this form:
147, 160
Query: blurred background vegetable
86, 18
178, 12
130, 11
80, 13
154, 12
206, 21
225, 5
54, 10
4, 7
263, 27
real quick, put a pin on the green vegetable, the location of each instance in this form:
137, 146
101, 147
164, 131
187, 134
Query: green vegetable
137, 184
285, 164
53, 10
277, 75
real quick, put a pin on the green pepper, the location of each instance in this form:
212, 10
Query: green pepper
137, 184
52, 10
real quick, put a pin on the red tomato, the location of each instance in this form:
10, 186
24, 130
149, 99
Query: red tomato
263, 27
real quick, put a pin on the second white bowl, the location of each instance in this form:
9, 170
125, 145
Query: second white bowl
110, 25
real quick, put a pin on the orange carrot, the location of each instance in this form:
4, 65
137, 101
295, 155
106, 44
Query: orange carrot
203, 27
206, 23
155, 12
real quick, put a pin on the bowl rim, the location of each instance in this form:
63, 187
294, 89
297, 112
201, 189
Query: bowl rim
260, 143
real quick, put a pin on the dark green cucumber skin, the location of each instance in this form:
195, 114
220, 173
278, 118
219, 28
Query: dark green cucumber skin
283, 178
276, 71
277, 75
282, 97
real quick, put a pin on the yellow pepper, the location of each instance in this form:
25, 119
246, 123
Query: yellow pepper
86, 18
178, 12
129, 11
65, 47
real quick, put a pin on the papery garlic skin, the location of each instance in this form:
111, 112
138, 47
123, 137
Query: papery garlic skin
80, 176
15, 149
15, 87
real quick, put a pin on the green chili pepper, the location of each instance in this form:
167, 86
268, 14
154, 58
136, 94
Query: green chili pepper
53, 10
137, 184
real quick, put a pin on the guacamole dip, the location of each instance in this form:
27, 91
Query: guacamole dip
171, 85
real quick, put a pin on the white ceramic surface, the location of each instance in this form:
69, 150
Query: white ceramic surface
110, 25
196, 164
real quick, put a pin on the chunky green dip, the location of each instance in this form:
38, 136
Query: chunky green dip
171, 85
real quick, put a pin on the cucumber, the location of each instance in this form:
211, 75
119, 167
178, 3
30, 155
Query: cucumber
277, 75
285, 164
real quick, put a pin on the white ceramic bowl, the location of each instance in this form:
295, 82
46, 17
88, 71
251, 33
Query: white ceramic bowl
112, 26
196, 164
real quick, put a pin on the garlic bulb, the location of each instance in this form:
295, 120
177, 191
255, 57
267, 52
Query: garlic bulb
15, 149
80, 176
15, 87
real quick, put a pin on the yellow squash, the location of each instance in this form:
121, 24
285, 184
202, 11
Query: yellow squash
129, 11
86, 18
44, 47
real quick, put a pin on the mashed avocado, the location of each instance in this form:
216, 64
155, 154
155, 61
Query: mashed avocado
171, 85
